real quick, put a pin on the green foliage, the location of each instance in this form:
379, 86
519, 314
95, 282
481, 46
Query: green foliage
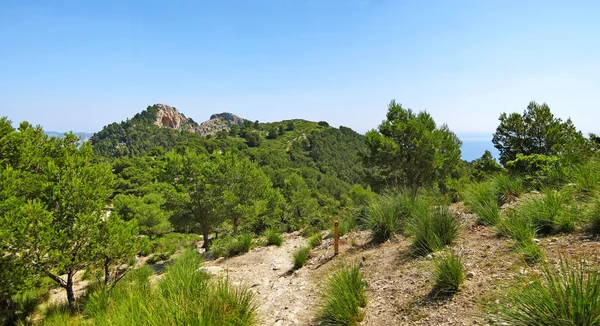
565, 295
433, 231
537, 131
552, 212
300, 256
593, 217
538, 170
323, 123
390, 213
485, 166
315, 240
520, 227
183, 297
586, 179
507, 188
449, 274
229, 246
410, 151
481, 199
343, 297
273, 237
147, 211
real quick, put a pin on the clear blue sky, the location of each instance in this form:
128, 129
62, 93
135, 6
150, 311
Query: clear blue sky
80, 65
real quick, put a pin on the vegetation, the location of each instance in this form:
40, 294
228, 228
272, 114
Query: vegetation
408, 150
230, 246
433, 231
300, 256
315, 240
565, 295
343, 298
449, 274
273, 237
183, 297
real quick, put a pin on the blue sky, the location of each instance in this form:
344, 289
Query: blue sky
80, 65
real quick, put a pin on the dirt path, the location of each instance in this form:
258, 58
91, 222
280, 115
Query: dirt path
283, 298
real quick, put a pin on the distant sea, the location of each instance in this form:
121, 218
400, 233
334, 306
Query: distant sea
475, 144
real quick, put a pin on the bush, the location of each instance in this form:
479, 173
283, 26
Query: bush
593, 218
481, 198
273, 237
507, 188
182, 297
586, 178
389, 214
531, 252
433, 231
563, 295
300, 257
449, 274
551, 213
343, 297
229, 246
520, 228
315, 240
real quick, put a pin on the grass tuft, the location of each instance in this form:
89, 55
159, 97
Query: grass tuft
564, 295
433, 231
593, 218
300, 257
482, 200
449, 274
343, 298
229, 246
273, 237
315, 240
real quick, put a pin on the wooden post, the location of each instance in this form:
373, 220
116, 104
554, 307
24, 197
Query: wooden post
336, 238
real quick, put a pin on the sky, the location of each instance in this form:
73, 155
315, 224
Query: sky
81, 65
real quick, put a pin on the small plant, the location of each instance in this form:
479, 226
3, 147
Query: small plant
520, 228
586, 178
564, 295
506, 188
228, 246
593, 218
273, 237
315, 240
550, 213
449, 274
343, 298
481, 198
300, 257
531, 252
433, 231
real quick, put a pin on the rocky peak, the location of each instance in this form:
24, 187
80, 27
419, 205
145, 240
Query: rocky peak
168, 117
230, 117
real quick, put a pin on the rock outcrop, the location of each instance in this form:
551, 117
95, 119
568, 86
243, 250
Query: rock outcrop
168, 117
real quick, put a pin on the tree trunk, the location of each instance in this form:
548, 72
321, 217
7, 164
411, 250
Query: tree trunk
235, 225
205, 237
106, 271
70, 293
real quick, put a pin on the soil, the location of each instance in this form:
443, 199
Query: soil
400, 287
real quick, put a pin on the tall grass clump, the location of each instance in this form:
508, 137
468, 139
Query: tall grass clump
586, 179
273, 237
520, 228
433, 230
565, 295
315, 240
449, 274
389, 214
229, 246
481, 199
593, 218
184, 296
553, 212
300, 257
343, 298
507, 188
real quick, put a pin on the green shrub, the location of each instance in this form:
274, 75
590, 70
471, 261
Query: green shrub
507, 188
433, 231
389, 214
300, 257
593, 218
586, 178
315, 240
144, 246
273, 237
563, 295
449, 274
518, 227
481, 199
550, 213
531, 252
183, 297
229, 246
343, 297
